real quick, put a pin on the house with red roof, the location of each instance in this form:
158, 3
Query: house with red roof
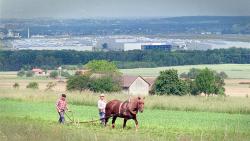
38, 72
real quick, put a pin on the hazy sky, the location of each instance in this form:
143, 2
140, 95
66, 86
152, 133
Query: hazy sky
121, 8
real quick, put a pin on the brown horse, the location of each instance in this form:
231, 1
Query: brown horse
127, 110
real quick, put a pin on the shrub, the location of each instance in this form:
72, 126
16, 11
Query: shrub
21, 73
50, 86
169, 83
53, 74
104, 84
79, 83
193, 90
65, 74
184, 75
208, 82
101, 66
32, 85
29, 74
16, 85
222, 75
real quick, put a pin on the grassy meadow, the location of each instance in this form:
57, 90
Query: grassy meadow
232, 70
27, 114
33, 119
31, 115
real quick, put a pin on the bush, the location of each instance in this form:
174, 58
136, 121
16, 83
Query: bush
50, 86
184, 75
79, 83
32, 85
53, 74
29, 74
169, 83
16, 85
222, 75
193, 90
65, 74
21, 73
209, 82
104, 84
101, 66
193, 72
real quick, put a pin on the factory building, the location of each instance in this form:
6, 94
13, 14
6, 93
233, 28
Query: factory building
165, 47
147, 46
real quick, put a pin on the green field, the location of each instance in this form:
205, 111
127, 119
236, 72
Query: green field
154, 124
31, 115
232, 70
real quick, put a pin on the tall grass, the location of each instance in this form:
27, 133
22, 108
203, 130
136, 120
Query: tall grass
184, 103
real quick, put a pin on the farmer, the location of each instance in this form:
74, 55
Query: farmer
101, 106
61, 107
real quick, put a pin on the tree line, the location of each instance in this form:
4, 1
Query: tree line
104, 76
199, 81
16, 60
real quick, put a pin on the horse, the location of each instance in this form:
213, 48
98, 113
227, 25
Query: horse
127, 110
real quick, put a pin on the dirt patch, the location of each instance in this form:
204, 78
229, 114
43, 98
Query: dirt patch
234, 88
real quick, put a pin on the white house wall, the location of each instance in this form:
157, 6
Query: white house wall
139, 87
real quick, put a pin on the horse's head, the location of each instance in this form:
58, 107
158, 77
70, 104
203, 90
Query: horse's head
140, 103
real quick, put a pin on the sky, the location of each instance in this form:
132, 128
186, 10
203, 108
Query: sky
121, 8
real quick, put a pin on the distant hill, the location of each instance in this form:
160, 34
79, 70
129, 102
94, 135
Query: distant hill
148, 26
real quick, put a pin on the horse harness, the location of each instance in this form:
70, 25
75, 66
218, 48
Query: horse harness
123, 112
121, 106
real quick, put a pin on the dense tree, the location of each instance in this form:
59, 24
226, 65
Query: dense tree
193, 72
208, 82
169, 83
15, 60
78, 83
193, 89
222, 75
105, 46
101, 66
104, 84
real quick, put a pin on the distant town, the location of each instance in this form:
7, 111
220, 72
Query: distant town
124, 35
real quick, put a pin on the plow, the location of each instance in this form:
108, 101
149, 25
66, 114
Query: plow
72, 119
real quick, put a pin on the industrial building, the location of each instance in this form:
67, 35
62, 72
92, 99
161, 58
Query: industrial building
165, 47
53, 44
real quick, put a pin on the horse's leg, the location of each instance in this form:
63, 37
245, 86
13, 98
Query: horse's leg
106, 121
113, 121
107, 116
124, 123
136, 123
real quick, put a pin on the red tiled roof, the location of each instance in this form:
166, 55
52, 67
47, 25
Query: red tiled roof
37, 70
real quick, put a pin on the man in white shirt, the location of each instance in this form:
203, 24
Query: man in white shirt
101, 106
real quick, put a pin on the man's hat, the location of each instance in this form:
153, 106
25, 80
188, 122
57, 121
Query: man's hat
102, 95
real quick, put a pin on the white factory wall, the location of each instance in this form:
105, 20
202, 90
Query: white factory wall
132, 46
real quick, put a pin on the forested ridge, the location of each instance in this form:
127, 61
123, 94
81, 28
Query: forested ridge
15, 60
